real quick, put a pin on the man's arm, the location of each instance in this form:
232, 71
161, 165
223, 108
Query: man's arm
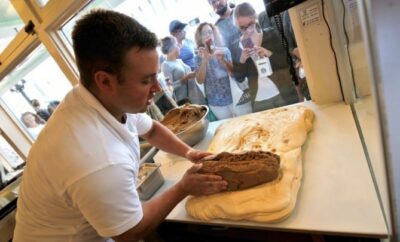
155, 210
163, 138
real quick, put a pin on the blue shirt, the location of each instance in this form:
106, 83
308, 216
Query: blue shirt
187, 53
231, 35
217, 83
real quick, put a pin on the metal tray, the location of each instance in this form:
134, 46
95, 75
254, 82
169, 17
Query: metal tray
149, 180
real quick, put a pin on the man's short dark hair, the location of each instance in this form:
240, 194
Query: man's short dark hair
101, 40
166, 44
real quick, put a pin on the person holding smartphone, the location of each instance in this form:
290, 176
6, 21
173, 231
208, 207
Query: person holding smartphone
214, 67
255, 61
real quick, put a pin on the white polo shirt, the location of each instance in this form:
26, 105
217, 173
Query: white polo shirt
79, 183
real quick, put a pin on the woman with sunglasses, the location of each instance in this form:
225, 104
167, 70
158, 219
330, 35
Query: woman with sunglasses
265, 94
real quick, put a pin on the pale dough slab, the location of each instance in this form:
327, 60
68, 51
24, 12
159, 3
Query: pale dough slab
282, 131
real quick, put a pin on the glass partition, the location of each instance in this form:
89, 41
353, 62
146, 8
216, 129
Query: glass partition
356, 48
33, 89
365, 107
247, 91
11, 163
10, 24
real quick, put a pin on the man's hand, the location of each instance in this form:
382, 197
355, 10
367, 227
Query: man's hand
196, 155
193, 183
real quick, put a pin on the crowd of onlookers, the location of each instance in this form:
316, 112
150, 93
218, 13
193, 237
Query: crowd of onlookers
34, 121
236, 65
241, 50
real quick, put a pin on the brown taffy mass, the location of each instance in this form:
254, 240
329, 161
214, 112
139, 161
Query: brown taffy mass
243, 170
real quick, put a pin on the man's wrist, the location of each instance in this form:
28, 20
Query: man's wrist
187, 152
179, 190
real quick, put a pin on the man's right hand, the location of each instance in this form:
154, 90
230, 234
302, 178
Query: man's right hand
193, 183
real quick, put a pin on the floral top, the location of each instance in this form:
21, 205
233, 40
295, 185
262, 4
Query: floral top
217, 84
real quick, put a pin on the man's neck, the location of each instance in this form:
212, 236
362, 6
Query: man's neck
107, 105
227, 14
180, 41
171, 57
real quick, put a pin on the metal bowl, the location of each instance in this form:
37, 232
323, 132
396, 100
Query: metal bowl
195, 132
191, 135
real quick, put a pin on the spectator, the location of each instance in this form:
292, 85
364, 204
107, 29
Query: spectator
302, 88
43, 113
214, 65
187, 52
52, 106
246, 20
33, 123
229, 31
272, 40
231, 35
80, 180
179, 74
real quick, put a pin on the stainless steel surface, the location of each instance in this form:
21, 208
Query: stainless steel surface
149, 180
146, 158
196, 132
191, 136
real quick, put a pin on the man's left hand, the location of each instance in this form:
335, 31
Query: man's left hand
196, 155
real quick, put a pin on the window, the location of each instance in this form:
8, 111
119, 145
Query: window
276, 89
32, 87
42, 3
11, 162
10, 24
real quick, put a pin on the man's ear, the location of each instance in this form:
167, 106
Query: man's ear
104, 81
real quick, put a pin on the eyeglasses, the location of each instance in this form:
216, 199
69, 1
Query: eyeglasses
206, 33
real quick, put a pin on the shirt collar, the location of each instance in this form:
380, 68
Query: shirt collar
94, 103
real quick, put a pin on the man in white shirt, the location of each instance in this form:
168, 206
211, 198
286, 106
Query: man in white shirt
80, 180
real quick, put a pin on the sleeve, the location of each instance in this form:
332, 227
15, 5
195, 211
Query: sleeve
264, 20
168, 73
289, 31
108, 199
165, 70
143, 123
185, 67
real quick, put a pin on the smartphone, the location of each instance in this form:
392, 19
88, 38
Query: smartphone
210, 46
247, 43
